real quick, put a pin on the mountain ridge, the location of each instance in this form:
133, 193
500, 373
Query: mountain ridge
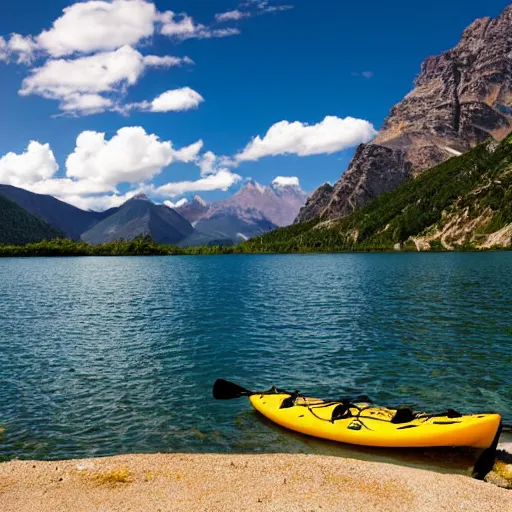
140, 217
460, 98
252, 210
18, 226
69, 219
464, 203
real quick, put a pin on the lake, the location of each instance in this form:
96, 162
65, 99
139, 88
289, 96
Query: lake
101, 356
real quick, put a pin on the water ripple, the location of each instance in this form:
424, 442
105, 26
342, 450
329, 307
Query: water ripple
112, 355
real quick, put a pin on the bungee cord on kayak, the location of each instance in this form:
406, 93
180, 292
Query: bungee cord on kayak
346, 421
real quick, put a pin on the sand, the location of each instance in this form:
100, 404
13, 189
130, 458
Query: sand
213, 482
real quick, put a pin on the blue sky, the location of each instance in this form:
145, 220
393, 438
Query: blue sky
297, 64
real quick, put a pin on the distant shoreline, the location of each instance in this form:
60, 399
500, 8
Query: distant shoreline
236, 482
144, 246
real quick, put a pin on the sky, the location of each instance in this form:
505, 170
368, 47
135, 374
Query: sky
104, 99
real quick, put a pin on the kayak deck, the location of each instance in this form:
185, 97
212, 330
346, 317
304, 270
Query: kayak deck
371, 425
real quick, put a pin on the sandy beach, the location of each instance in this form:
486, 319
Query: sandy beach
213, 482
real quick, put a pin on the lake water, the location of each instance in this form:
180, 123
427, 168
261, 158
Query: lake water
102, 356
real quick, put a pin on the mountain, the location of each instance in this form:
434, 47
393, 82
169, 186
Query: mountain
67, 218
463, 203
278, 203
19, 227
193, 210
461, 98
139, 216
234, 224
253, 210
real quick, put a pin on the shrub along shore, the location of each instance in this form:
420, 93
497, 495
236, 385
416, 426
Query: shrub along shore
145, 246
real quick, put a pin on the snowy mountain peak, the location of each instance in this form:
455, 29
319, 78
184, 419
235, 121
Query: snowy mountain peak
281, 182
141, 197
200, 200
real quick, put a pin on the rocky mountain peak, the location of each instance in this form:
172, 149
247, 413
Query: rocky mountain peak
461, 98
141, 197
200, 200
253, 186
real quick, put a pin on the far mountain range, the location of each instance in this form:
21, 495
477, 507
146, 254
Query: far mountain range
252, 210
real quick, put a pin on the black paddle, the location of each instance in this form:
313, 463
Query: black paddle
225, 390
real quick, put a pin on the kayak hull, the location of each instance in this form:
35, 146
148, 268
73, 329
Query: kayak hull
372, 426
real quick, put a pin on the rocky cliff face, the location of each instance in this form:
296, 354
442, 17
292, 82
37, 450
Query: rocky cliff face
461, 98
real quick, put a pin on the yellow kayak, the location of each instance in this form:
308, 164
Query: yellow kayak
368, 425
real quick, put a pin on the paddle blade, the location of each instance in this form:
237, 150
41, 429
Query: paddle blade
225, 390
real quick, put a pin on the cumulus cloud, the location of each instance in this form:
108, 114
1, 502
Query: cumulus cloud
88, 27
35, 164
4, 51
177, 204
91, 55
78, 84
130, 156
222, 180
177, 99
189, 153
286, 181
96, 25
99, 165
99, 202
24, 47
295, 138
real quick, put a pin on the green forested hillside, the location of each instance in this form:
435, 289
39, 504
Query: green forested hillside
17, 226
464, 203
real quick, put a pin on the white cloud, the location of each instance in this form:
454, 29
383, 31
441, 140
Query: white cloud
98, 202
166, 61
328, 136
207, 162
4, 50
69, 80
130, 156
189, 153
250, 9
177, 204
98, 165
222, 180
36, 163
177, 99
91, 56
22, 46
92, 26
86, 103
286, 181
182, 26
231, 16
210, 163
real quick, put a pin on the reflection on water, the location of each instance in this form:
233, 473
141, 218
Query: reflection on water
115, 355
